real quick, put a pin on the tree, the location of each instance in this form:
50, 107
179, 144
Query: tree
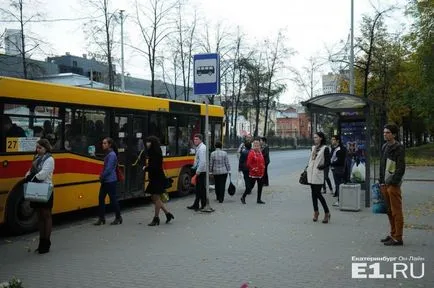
154, 28
18, 13
185, 43
100, 34
275, 54
306, 78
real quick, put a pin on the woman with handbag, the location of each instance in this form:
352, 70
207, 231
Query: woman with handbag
219, 167
157, 179
109, 179
42, 172
318, 161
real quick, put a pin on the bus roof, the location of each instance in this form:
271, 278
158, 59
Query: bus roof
42, 91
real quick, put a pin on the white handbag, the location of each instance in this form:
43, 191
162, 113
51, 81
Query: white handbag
38, 192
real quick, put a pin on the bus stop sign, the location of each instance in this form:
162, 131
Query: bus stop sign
206, 69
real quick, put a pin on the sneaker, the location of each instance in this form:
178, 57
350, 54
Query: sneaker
393, 242
336, 204
387, 239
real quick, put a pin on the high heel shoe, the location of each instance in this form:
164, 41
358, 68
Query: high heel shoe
169, 216
155, 222
326, 218
117, 221
99, 222
315, 216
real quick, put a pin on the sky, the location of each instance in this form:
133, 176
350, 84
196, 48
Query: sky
310, 25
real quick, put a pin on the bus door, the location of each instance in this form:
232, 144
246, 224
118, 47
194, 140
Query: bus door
121, 135
137, 153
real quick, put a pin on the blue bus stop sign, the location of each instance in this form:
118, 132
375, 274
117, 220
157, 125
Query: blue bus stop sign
206, 69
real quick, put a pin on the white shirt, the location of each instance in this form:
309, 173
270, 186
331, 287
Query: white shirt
200, 160
46, 173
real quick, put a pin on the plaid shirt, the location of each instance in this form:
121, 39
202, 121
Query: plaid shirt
219, 162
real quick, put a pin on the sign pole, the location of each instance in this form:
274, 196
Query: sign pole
207, 207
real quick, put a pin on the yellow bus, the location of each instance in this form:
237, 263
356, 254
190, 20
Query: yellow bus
75, 120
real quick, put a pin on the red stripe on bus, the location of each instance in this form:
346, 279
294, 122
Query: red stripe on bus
176, 164
64, 165
17, 169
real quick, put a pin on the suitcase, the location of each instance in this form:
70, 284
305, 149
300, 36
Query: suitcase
349, 197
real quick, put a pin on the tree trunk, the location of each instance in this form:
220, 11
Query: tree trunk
23, 47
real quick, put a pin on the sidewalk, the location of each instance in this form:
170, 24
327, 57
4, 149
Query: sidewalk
271, 245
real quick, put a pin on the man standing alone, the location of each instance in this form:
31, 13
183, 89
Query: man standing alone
392, 169
337, 163
200, 166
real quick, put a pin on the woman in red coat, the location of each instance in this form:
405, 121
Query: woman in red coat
256, 165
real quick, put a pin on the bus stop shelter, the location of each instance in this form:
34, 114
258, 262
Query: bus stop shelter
354, 126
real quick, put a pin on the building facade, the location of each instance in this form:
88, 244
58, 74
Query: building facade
13, 42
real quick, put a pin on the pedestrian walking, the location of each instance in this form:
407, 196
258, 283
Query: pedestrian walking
326, 176
219, 167
242, 146
109, 179
256, 165
337, 164
318, 161
157, 179
42, 172
392, 169
200, 167
266, 153
242, 166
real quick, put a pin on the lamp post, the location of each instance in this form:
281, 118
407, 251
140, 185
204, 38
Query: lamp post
352, 49
121, 12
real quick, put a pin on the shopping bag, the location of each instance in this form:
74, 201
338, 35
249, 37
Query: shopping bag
240, 180
164, 197
358, 173
231, 189
194, 180
37, 192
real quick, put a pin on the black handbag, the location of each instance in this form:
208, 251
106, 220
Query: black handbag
231, 189
303, 178
168, 182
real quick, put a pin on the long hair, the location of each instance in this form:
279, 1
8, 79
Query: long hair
155, 148
323, 138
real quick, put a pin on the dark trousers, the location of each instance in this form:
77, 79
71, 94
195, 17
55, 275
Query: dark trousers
246, 182
200, 190
327, 180
316, 195
265, 178
339, 178
252, 184
220, 186
110, 189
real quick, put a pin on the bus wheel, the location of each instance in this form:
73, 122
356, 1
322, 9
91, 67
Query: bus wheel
20, 217
184, 182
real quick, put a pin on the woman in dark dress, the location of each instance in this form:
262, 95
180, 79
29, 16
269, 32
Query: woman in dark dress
156, 179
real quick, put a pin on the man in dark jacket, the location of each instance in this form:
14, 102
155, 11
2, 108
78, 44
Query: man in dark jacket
266, 153
392, 169
337, 163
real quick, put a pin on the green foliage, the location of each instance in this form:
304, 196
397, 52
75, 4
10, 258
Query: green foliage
420, 156
13, 283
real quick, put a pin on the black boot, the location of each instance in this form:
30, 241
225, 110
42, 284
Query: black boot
117, 221
169, 216
155, 222
45, 245
39, 245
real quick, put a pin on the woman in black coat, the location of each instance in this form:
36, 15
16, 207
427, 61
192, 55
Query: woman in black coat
156, 178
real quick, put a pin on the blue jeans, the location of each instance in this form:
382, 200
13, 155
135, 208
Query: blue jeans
110, 189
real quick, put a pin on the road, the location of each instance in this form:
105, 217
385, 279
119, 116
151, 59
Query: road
271, 245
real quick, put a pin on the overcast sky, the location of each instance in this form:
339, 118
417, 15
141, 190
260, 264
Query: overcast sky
311, 25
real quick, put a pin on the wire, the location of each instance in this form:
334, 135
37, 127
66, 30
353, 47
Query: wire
51, 20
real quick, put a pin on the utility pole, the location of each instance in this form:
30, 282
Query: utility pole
122, 51
352, 50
